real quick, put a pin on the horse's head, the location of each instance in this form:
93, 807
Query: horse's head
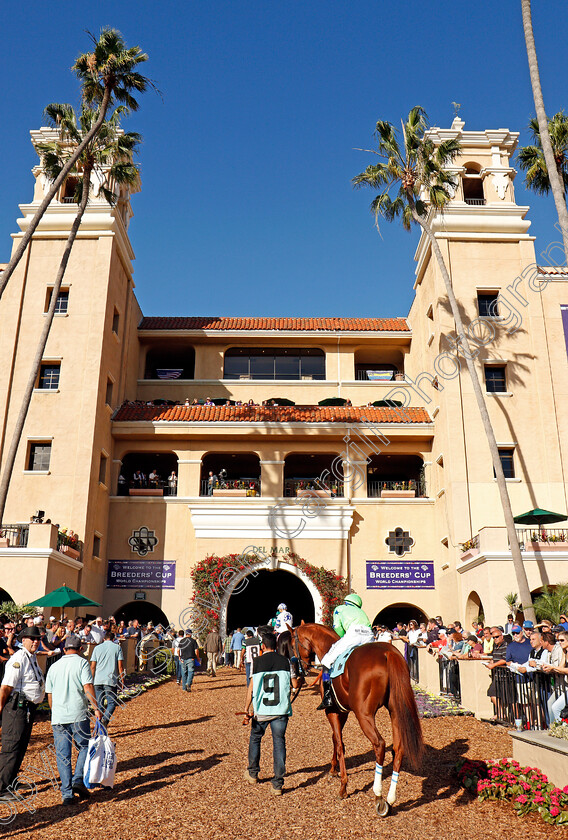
303, 644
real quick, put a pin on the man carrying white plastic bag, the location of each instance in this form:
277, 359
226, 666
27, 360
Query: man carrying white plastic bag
70, 689
100, 765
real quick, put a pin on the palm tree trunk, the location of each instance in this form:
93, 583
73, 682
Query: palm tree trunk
520, 571
40, 350
556, 184
20, 250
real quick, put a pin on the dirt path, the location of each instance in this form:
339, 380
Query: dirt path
181, 759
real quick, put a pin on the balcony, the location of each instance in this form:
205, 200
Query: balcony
476, 202
14, 536
403, 489
231, 487
542, 539
313, 486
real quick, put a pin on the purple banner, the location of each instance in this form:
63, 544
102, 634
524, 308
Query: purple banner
564, 312
397, 575
141, 574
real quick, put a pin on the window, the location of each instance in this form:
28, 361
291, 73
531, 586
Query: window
487, 304
103, 469
274, 363
49, 376
39, 457
96, 546
115, 320
62, 302
495, 381
506, 458
473, 186
430, 312
69, 190
108, 395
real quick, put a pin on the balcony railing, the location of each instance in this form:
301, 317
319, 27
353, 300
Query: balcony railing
231, 487
297, 486
478, 202
375, 488
383, 375
553, 537
161, 487
14, 535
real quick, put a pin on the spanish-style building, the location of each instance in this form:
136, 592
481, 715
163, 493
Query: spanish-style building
354, 443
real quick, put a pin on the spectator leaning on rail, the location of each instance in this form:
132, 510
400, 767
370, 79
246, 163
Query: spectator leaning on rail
558, 700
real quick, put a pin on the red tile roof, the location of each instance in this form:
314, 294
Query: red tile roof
129, 412
554, 270
308, 324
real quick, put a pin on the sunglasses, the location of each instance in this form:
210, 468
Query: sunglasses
496, 635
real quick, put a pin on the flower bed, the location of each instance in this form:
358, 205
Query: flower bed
432, 706
525, 787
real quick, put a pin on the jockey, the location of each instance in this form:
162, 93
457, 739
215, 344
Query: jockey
283, 618
354, 627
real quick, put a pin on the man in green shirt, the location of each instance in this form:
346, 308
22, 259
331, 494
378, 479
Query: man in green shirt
69, 688
107, 668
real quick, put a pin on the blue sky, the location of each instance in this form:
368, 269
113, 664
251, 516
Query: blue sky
246, 204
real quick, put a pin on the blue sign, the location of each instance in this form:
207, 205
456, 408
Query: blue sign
141, 574
395, 575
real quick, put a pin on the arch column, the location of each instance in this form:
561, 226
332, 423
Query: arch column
272, 478
189, 476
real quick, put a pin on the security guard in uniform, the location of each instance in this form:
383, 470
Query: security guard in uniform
23, 688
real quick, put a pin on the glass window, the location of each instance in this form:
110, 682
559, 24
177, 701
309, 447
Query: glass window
49, 376
487, 304
40, 456
274, 363
102, 469
262, 366
96, 546
495, 381
108, 395
506, 458
62, 302
115, 321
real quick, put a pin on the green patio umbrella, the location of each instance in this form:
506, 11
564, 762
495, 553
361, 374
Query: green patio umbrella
539, 517
64, 597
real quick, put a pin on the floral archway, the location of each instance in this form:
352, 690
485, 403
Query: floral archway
215, 579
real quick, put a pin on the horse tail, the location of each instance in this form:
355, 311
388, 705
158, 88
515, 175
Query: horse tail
403, 703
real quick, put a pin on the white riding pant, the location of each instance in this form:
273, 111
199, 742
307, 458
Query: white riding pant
355, 635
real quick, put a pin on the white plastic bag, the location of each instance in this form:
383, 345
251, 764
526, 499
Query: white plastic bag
100, 764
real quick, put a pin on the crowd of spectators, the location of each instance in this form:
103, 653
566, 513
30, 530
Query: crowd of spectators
523, 650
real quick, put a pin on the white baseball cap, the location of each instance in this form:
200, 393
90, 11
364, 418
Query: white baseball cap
38, 620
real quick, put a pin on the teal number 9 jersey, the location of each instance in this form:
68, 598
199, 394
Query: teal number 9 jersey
271, 686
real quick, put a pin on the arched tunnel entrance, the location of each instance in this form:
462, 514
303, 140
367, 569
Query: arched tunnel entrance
399, 612
257, 602
144, 611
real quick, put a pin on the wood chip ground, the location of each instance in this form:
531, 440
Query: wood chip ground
181, 759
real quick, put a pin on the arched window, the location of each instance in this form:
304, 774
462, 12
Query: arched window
473, 185
274, 363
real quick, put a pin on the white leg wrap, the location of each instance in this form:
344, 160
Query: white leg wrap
378, 782
392, 790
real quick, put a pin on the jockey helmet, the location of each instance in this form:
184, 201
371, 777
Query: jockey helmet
281, 606
354, 599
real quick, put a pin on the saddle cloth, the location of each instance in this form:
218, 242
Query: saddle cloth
338, 666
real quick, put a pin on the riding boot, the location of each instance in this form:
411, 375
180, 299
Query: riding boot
327, 699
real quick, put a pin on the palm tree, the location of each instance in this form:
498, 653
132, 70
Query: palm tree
108, 74
556, 182
552, 603
108, 155
416, 174
531, 158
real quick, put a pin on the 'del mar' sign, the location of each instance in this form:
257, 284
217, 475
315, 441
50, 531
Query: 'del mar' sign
143, 541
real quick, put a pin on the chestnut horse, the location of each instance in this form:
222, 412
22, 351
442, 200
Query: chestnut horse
375, 675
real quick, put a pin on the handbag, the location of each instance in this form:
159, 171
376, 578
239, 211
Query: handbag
100, 764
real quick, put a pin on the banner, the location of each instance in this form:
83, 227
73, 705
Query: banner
391, 574
141, 574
